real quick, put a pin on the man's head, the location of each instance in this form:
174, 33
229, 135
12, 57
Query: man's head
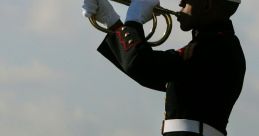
197, 13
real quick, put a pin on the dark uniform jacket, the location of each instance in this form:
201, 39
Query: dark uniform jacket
202, 80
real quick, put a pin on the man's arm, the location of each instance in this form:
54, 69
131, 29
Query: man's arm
152, 84
128, 51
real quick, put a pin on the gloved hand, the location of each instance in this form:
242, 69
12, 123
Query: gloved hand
141, 10
103, 11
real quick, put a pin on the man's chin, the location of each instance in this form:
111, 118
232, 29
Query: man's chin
185, 28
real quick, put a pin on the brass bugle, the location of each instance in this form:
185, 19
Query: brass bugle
158, 10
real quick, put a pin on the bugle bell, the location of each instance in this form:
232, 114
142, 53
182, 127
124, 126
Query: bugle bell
157, 11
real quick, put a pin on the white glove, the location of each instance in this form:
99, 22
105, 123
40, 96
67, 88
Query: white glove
141, 10
103, 11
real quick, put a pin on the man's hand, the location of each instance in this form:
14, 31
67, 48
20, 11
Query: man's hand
141, 10
103, 11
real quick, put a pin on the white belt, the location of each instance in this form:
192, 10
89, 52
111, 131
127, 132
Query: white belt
174, 125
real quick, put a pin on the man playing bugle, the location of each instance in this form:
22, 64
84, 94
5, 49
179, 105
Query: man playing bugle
202, 80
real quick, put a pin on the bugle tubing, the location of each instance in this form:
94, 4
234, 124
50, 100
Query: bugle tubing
157, 11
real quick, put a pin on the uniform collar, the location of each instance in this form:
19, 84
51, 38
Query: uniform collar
220, 28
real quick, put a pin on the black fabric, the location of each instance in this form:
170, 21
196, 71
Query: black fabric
203, 86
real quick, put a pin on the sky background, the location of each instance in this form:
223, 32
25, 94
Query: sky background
53, 82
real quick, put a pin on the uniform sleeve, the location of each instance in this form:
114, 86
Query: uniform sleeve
128, 51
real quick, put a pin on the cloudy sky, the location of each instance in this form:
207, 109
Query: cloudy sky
54, 83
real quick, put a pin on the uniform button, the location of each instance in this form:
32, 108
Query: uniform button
126, 34
130, 41
123, 28
166, 85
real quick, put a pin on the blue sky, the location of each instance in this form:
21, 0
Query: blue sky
53, 82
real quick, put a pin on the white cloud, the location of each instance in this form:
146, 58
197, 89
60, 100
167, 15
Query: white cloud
44, 15
42, 116
49, 17
52, 17
257, 86
251, 31
27, 119
34, 72
246, 20
126, 132
253, 84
